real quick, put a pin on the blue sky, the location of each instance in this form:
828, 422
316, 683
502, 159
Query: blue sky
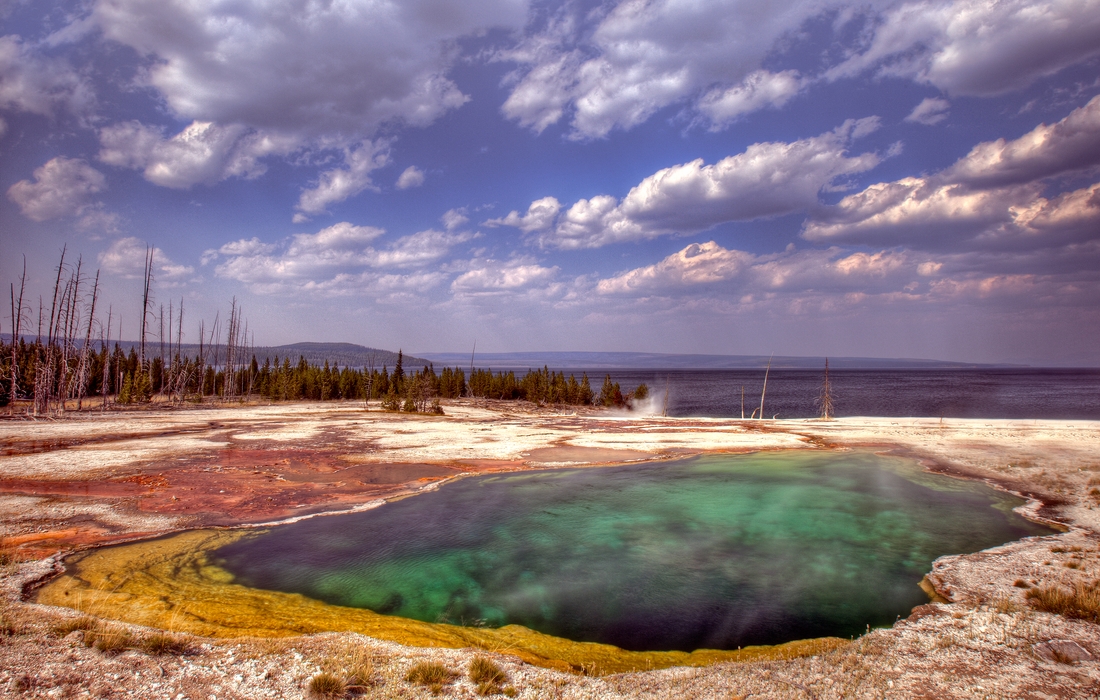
894, 179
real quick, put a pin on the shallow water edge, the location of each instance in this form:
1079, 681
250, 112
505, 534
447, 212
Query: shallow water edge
170, 583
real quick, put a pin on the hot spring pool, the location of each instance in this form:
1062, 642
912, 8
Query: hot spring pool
713, 552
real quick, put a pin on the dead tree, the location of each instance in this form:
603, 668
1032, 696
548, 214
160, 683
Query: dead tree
82, 367
106, 344
765, 390
826, 399
145, 300
16, 326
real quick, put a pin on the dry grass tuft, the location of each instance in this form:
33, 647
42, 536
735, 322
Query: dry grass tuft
159, 643
1020, 583
327, 685
432, 674
487, 676
108, 640
1081, 601
1005, 605
72, 624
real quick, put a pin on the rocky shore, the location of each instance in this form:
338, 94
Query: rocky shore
1014, 621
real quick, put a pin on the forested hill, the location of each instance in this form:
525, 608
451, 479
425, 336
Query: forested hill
342, 354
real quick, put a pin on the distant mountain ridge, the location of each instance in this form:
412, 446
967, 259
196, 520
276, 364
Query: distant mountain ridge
649, 360
359, 356
343, 354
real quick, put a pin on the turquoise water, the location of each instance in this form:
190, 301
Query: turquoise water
712, 552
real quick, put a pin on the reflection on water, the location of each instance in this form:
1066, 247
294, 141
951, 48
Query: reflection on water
714, 552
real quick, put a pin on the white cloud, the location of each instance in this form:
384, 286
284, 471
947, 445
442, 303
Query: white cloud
338, 184
453, 218
974, 47
992, 196
539, 217
418, 249
708, 268
61, 187
339, 259
494, 277
758, 90
931, 111
767, 179
204, 152
31, 82
411, 176
645, 55
126, 258
336, 70
1072, 144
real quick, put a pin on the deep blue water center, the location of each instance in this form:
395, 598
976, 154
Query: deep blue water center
712, 552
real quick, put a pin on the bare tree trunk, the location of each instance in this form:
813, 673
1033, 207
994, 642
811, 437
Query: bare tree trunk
107, 359
145, 304
82, 375
16, 325
160, 321
826, 396
44, 369
766, 372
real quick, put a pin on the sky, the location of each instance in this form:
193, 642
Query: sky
907, 178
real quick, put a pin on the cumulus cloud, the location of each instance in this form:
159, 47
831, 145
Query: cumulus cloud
708, 269
758, 90
539, 217
32, 82
61, 187
411, 176
331, 69
338, 184
339, 259
931, 111
126, 258
495, 277
1072, 144
643, 56
453, 218
975, 47
995, 195
203, 152
767, 179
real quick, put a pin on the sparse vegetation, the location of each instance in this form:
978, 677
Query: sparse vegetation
487, 676
72, 624
159, 643
1080, 600
108, 639
432, 674
327, 685
1020, 583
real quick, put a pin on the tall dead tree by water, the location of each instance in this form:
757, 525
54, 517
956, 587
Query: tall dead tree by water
83, 365
826, 399
765, 390
16, 330
105, 344
145, 300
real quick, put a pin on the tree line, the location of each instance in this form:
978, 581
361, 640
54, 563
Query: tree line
117, 377
72, 359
